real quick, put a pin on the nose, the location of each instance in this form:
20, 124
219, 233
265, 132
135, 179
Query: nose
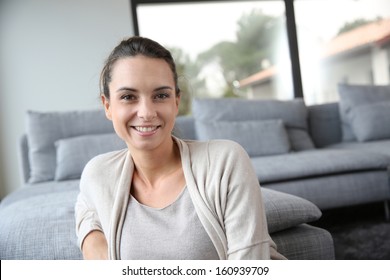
146, 110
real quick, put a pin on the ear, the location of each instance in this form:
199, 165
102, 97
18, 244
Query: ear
177, 103
107, 107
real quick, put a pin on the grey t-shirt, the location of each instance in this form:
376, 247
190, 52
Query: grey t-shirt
170, 233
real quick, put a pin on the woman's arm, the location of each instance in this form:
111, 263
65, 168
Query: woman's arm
242, 205
95, 246
89, 230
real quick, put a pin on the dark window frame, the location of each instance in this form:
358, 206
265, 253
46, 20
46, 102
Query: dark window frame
290, 24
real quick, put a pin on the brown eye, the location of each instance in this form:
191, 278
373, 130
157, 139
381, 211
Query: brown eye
128, 97
162, 96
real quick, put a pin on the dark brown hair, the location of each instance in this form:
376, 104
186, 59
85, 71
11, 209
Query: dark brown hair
132, 47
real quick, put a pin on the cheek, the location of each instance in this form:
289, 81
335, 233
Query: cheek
121, 113
171, 110
170, 115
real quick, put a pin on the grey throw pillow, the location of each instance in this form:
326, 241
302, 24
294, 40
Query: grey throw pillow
45, 128
371, 122
258, 138
352, 96
293, 113
74, 153
285, 210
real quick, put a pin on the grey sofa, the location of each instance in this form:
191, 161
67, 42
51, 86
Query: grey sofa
334, 155
37, 220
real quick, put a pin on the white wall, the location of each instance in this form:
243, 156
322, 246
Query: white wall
51, 53
380, 65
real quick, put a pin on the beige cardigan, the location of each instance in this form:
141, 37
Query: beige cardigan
222, 185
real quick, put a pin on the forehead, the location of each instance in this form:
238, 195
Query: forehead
141, 68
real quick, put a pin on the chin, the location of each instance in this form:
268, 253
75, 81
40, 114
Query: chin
145, 145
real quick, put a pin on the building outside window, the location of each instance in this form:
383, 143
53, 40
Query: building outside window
347, 40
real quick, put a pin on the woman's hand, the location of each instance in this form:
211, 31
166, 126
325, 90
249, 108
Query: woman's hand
95, 246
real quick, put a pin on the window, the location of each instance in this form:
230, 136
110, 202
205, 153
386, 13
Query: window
272, 49
342, 41
224, 49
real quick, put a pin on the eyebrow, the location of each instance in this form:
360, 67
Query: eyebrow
126, 89
163, 87
135, 90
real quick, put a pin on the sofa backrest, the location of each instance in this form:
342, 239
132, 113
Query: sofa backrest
262, 127
325, 124
24, 164
185, 128
46, 129
68, 128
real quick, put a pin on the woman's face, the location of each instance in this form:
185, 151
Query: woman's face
143, 104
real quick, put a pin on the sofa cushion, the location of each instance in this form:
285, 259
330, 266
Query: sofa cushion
285, 210
39, 223
293, 113
381, 147
371, 122
45, 128
313, 163
40, 189
258, 138
352, 96
74, 153
43, 219
339, 190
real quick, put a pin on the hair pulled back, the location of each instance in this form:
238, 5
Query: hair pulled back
132, 47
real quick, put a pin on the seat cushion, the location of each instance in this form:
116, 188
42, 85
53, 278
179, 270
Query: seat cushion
381, 147
38, 223
339, 190
313, 163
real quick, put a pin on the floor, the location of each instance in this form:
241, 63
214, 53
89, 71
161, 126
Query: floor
359, 232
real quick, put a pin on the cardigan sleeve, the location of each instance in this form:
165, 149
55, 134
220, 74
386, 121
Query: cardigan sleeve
104, 189
86, 216
244, 216
86, 220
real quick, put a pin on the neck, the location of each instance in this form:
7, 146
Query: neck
152, 165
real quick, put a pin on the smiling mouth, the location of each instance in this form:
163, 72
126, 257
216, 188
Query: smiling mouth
146, 128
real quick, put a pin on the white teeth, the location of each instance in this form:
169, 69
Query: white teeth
145, 128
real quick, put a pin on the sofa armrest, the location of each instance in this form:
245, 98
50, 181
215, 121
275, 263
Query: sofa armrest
24, 164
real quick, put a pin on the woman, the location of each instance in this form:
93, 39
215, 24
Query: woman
164, 198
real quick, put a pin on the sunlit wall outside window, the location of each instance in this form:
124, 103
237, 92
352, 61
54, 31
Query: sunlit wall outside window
344, 41
224, 49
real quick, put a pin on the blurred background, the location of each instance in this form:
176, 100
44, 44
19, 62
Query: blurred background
52, 51
51, 54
